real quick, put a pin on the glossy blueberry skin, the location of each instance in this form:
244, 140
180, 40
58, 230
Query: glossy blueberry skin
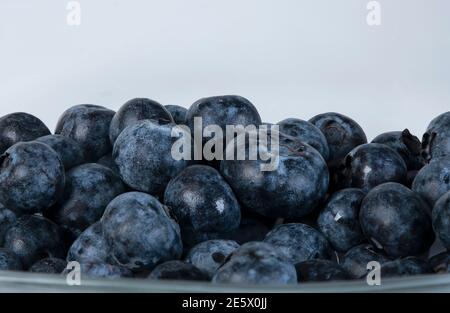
178, 270
306, 132
9, 261
31, 177
108, 161
89, 189
406, 145
342, 134
209, 255
339, 219
178, 113
143, 155
397, 220
49, 266
33, 238
7, 218
18, 127
293, 189
441, 219
136, 110
405, 267
256, 263
299, 242
69, 151
433, 180
202, 201
436, 140
440, 263
88, 125
140, 232
320, 270
90, 247
356, 259
370, 165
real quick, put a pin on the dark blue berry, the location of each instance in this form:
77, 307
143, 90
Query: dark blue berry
178, 270
69, 151
178, 113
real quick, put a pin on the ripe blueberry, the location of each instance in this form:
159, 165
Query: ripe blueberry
441, 219
178, 270
69, 151
436, 140
178, 113
320, 270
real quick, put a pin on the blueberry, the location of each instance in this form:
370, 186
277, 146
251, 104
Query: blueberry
178, 270
9, 261
103, 270
370, 165
178, 113
436, 140
299, 242
31, 177
89, 189
339, 219
292, 189
306, 132
33, 238
7, 218
88, 125
355, 261
256, 263
49, 266
209, 255
202, 201
250, 229
140, 232
405, 267
433, 180
136, 110
108, 161
69, 151
143, 155
90, 247
320, 270
406, 145
342, 134
441, 219
396, 220
441, 263
18, 127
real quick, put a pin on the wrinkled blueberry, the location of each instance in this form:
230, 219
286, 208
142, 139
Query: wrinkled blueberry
7, 218
140, 232
178, 270
88, 125
339, 219
397, 220
406, 145
136, 110
355, 261
31, 177
178, 113
299, 242
143, 155
108, 161
440, 263
405, 267
342, 134
433, 180
436, 140
289, 188
306, 132
49, 266
320, 270
441, 219
33, 238
370, 165
89, 189
202, 201
256, 263
69, 151
18, 127
209, 255
90, 247
9, 261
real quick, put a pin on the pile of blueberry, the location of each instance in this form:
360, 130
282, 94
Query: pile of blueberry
105, 190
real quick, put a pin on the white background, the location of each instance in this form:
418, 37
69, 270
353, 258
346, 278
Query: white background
291, 58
